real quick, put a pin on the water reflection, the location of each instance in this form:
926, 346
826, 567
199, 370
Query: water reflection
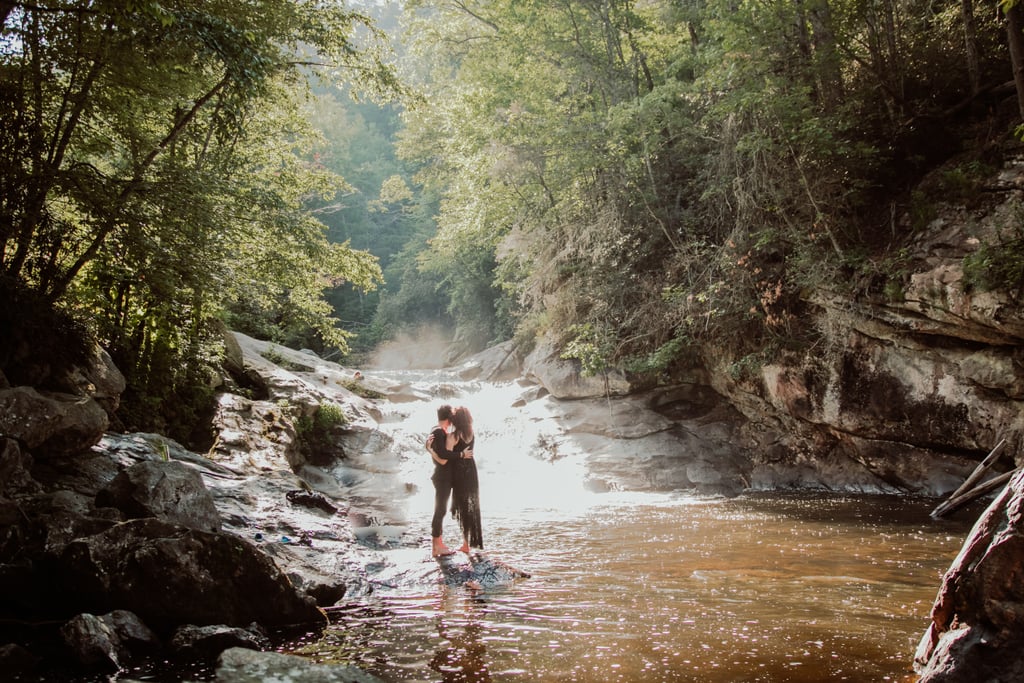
461, 656
771, 588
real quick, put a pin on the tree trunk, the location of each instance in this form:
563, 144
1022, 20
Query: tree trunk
1015, 39
971, 45
892, 45
694, 37
827, 70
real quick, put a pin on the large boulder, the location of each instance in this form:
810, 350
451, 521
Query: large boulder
100, 380
69, 419
15, 467
494, 364
108, 642
254, 434
264, 505
564, 377
170, 575
977, 622
18, 663
48, 423
168, 490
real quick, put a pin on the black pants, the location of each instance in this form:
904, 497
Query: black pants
442, 479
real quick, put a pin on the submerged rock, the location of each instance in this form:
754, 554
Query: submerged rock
479, 570
206, 643
239, 665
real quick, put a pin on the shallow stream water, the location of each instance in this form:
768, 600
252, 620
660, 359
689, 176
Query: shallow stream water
643, 585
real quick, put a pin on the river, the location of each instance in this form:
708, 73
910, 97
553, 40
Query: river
640, 585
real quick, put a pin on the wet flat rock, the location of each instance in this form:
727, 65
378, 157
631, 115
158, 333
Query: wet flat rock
457, 569
240, 665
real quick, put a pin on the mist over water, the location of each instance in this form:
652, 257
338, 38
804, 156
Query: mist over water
639, 585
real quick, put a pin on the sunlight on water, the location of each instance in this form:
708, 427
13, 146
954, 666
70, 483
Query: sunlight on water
513, 479
644, 586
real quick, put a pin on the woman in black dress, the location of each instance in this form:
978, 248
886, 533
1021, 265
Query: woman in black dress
465, 484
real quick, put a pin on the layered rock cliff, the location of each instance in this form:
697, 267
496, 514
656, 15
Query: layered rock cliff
902, 392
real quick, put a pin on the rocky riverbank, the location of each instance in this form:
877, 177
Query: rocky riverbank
118, 550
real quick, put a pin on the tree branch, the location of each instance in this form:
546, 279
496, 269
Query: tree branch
458, 4
132, 186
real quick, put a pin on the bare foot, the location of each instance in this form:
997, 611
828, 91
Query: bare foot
441, 551
465, 548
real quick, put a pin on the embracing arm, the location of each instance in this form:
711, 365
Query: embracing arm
436, 447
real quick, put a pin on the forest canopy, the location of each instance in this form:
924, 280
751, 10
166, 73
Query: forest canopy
155, 172
641, 180
644, 179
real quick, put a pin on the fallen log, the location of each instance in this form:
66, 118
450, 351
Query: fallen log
958, 502
979, 471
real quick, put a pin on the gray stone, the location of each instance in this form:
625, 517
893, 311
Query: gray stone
529, 395
14, 470
171, 574
17, 662
480, 568
494, 364
93, 642
167, 490
100, 380
205, 643
234, 359
107, 642
49, 423
564, 379
131, 632
239, 665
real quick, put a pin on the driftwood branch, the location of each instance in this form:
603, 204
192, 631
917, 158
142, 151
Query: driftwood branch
958, 502
970, 489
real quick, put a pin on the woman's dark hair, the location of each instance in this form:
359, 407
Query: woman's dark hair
463, 422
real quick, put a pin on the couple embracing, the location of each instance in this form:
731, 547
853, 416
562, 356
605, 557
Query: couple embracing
450, 445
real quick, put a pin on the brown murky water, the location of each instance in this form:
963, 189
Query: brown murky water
662, 587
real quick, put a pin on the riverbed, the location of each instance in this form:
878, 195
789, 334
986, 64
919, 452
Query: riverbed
644, 585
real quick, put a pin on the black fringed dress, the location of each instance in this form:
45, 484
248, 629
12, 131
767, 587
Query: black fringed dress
466, 496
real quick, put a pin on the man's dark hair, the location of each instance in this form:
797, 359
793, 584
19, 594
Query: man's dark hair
445, 412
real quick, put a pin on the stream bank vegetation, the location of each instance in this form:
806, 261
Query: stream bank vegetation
156, 168
651, 182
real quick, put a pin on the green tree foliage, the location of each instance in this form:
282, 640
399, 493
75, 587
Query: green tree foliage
657, 177
376, 211
154, 173
415, 293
